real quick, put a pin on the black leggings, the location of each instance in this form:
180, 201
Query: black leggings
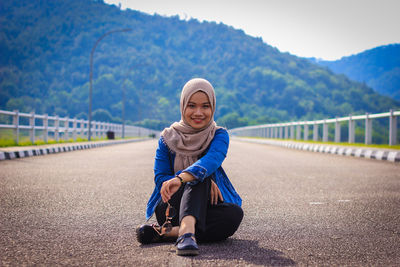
213, 222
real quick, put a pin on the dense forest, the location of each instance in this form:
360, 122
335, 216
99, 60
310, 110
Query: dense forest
44, 66
379, 68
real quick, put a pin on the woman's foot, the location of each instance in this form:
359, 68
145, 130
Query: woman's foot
147, 234
186, 245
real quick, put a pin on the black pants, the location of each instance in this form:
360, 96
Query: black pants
213, 222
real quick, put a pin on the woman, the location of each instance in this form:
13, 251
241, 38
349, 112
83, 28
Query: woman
193, 198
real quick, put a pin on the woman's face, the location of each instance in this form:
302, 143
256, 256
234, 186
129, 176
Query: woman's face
198, 111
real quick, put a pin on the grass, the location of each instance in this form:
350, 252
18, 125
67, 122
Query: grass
383, 146
25, 141
7, 139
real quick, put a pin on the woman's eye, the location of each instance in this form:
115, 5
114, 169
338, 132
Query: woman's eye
191, 106
206, 106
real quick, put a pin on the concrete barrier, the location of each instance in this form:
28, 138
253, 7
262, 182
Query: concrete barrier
19, 152
370, 153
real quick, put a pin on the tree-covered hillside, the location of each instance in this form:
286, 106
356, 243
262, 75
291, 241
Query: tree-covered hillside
379, 68
44, 66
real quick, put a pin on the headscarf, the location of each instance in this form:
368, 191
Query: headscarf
187, 142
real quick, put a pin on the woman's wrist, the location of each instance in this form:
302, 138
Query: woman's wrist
180, 179
186, 177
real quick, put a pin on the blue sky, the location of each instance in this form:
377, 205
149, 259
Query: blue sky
307, 28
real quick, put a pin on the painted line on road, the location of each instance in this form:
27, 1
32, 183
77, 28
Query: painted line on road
4, 155
392, 156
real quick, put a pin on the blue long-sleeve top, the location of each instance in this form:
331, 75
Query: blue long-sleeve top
209, 165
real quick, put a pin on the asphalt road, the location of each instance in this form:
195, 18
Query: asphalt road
301, 208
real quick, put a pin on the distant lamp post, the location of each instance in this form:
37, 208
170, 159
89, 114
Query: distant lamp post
123, 105
91, 75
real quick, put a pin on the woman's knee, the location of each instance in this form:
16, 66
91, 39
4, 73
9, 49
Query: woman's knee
234, 216
230, 220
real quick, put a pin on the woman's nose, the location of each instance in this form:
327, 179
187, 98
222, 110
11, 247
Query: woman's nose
197, 111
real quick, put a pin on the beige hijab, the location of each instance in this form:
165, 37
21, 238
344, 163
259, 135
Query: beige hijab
189, 143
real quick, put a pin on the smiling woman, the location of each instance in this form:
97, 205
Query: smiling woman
193, 198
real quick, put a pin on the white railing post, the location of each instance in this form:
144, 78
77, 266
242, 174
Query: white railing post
337, 131
93, 129
74, 125
392, 129
99, 130
57, 129
66, 129
351, 130
325, 132
368, 130
16, 125
46, 128
85, 128
105, 128
298, 132
305, 132
90, 126
32, 127
81, 128
291, 131
280, 132
100, 126
286, 132
315, 132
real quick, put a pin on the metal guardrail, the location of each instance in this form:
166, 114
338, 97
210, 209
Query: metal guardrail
66, 128
294, 130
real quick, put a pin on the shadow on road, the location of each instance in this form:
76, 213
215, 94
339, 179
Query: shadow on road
237, 250
244, 250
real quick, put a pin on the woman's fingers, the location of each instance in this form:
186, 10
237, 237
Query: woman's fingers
165, 192
212, 193
215, 193
167, 187
220, 195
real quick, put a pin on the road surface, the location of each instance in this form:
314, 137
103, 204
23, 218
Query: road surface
301, 208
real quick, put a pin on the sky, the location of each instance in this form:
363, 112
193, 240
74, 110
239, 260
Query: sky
322, 29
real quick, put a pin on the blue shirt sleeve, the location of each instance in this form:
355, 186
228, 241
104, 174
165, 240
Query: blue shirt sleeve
163, 165
212, 160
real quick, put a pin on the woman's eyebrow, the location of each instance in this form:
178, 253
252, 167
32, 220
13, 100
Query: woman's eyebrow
190, 102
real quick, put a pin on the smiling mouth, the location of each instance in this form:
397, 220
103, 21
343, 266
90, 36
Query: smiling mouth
196, 120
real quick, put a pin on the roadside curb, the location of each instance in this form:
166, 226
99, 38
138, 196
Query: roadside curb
370, 153
23, 153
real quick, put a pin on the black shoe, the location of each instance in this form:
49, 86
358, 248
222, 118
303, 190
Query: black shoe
186, 245
146, 234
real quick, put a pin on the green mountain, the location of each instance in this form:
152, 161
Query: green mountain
379, 68
44, 66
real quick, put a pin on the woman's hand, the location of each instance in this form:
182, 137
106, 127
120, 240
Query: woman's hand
169, 188
215, 193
